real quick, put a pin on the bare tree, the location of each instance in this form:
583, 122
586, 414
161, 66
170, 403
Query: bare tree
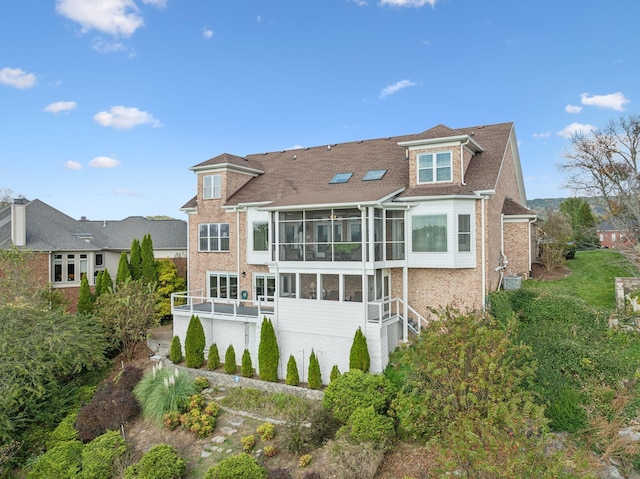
604, 164
6, 196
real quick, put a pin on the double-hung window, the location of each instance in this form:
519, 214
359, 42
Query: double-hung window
434, 167
464, 233
214, 237
429, 233
212, 187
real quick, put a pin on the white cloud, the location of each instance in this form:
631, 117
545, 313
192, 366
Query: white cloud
102, 46
391, 89
544, 134
17, 78
573, 109
59, 106
120, 18
104, 162
73, 165
360, 3
207, 33
574, 128
408, 3
612, 101
124, 118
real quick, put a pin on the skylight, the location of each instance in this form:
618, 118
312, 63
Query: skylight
341, 178
374, 175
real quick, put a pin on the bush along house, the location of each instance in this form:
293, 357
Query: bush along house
370, 234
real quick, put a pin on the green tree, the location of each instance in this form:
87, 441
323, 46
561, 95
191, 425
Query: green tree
268, 352
43, 353
335, 373
127, 315
230, 366
135, 259
168, 282
359, 354
583, 222
293, 378
213, 357
124, 270
246, 368
314, 380
106, 283
85, 303
149, 273
97, 289
194, 343
175, 352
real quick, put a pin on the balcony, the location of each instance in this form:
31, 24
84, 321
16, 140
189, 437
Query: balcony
195, 303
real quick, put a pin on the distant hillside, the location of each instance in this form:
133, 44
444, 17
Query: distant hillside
540, 206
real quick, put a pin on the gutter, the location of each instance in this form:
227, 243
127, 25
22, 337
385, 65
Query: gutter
462, 145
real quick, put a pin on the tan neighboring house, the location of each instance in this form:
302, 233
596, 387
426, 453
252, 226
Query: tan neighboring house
368, 234
65, 248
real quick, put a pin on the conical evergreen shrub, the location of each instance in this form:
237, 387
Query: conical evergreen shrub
359, 355
213, 358
268, 352
97, 290
230, 366
194, 343
315, 377
135, 260
293, 378
246, 369
335, 373
124, 271
149, 272
106, 283
85, 301
175, 353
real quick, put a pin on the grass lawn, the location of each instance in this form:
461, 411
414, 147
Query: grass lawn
592, 277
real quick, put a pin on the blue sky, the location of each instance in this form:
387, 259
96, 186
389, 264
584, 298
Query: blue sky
105, 104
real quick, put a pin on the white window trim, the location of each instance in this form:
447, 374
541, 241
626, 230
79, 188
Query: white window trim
433, 168
215, 189
219, 274
219, 249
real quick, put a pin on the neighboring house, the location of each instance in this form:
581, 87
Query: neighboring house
65, 248
611, 237
370, 234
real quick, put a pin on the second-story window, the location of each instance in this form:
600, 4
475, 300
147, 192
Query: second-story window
212, 187
214, 237
261, 236
434, 167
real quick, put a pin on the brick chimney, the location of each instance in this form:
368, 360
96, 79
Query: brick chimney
19, 222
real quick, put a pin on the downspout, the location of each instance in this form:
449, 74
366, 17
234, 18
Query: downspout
529, 242
484, 254
462, 145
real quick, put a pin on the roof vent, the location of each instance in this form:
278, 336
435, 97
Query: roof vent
328, 147
295, 157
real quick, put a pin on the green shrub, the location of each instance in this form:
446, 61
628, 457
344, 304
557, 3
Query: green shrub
161, 462
323, 426
241, 466
175, 353
213, 358
246, 368
292, 379
268, 352
85, 301
305, 460
359, 354
248, 442
61, 462
366, 425
201, 383
500, 306
163, 391
270, 450
194, 343
230, 366
65, 431
99, 455
356, 389
335, 373
200, 418
267, 431
464, 365
314, 380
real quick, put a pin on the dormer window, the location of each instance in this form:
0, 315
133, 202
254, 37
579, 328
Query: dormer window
434, 167
212, 187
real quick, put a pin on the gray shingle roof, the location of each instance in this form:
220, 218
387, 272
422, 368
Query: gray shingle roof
48, 229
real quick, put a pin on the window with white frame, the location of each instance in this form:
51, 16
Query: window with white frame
260, 236
464, 233
223, 286
212, 187
429, 233
214, 237
434, 167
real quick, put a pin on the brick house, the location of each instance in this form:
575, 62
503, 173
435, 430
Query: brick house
610, 236
65, 248
369, 234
